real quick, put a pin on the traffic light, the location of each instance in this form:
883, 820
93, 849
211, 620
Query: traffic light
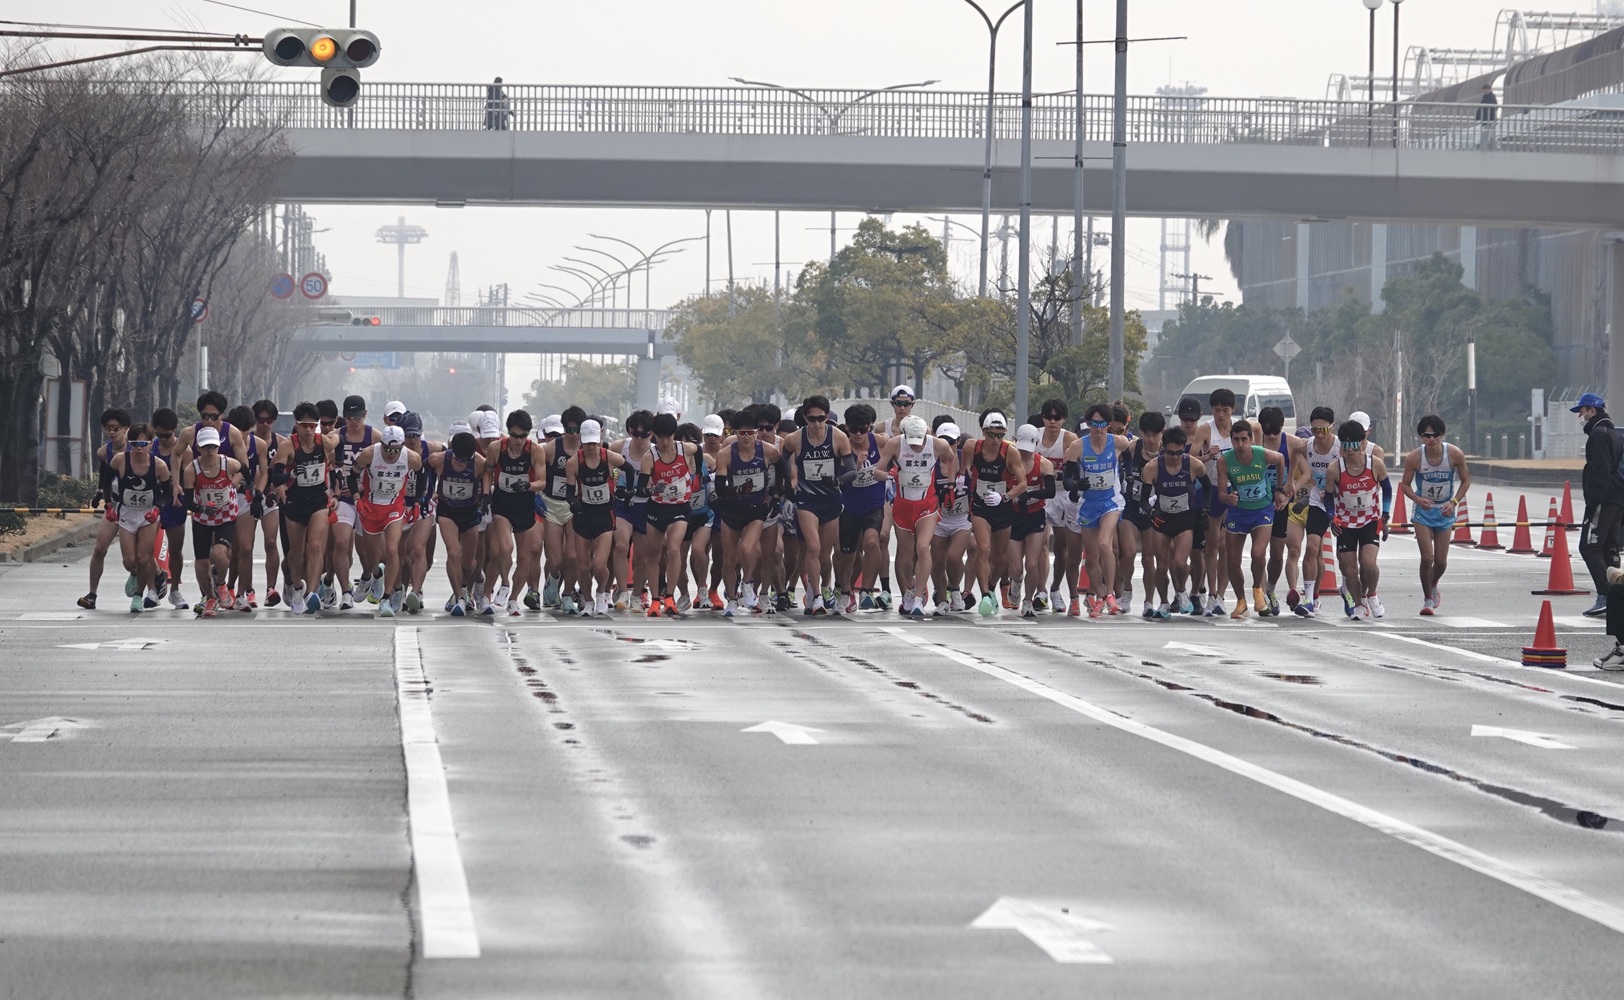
334, 317
365, 321
337, 52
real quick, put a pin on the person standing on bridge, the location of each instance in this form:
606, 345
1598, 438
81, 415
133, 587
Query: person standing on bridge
1603, 493
497, 113
1487, 112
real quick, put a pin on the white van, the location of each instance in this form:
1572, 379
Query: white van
1252, 394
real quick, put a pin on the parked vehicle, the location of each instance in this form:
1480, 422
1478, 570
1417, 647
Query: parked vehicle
1252, 394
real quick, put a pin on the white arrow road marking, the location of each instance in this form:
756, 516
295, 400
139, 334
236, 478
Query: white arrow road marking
118, 645
1532, 739
1194, 648
48, 616
40, 730
1051, 926
789, 732
1550, 890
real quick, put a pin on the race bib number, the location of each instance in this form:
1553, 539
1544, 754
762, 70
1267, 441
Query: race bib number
411, 487
559, 489
696, 501
986, 487
138, 499
386, 489
1253, 491
1358, 502
457, 489
819, 468
1173, 504
213, 497
309, 474
513, 482
676, 492
751, 482
1436, 492
1136, 490
1096, 482
914, 479
595, 495
957, 507
865, 477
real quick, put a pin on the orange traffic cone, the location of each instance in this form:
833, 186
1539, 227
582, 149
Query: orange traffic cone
1522, 542
1545, 652
1082, 574
1567, 505
1400, 524
1463, 526
1328, 580
1490, 539
1561, 578
1550, 531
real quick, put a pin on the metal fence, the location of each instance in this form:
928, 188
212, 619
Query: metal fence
520, 316
909, 114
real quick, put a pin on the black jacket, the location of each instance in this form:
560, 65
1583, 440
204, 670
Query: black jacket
1602, 448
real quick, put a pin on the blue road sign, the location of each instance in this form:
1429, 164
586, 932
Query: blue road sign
376, 359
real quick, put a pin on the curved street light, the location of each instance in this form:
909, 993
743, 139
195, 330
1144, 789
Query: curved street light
647, 260
594, 283
986, 162
612, 277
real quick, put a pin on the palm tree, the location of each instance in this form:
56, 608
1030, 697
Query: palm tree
1234, 235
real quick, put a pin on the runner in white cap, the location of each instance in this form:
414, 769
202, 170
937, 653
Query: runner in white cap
951, 538
924, 465
591, 474
210, 483
379, 481
1028, 553
997, 475
1061, 511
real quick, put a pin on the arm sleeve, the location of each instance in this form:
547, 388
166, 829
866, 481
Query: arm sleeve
1044, 492
1387, 496
1071, 477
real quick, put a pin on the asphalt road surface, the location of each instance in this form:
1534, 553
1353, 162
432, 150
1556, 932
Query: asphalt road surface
264, 806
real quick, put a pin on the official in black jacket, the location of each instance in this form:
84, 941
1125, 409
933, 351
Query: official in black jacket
1603, 493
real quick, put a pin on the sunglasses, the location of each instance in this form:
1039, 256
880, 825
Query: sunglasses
743, 431
208, 416
1097, 424
1054, 416
572, 428
993, 432
816, 418
111, 429
265, 421
1353, 446
768, 428
513, 433
139, 444
639, 435
1322, 430
308, 425
392, 447
1430, 437
902, 404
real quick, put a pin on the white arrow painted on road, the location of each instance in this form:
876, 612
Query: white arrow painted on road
118, 645
1532, 739
40, 730
1051, 926
1194, 648
789, 732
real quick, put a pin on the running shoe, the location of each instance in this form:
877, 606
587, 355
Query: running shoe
817, 609
1374, 605
1163, 612
987, 607
175, 600
160, 585
549, 590
329, 597
229, 602
1437, 597
1291, 600
1304, 609
253, 599
1009, 605
731, 609
1348, 605
1241, 611
654, 610
1056, 599
917, 614
600, 604
132, 586
1149, 612
458, 610
670, 604
1274, 604
623, 600
1074, 610
1426, 607
586, 609
716, 602
1361, 613
272, 598
955, 602
883, 600
1213, 608
207, 609
532, 600
1112, 607
1040, 601
488, 609
414, 603
1095, 606
136, 603
362, 587
684, 604
295, 604
397, 600
385, 610
850, 603
1259, 605
1597, 609
376, 596
312, 604
150, 601
1026, 610
1613, 660
867, 602
513, 609
943, 609
567, 604
1186, 606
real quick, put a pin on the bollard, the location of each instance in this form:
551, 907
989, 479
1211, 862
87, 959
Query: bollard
1505, 446
1488, 446
1522, 446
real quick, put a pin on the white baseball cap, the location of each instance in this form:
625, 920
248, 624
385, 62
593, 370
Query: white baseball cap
1361, 418
994, 419
902, 390
914, 431
949, 432
712, 424
489, 425
591, 432
1026, 437
392, 435
393, 408
669, 406
207, 437
552, 423
460, 427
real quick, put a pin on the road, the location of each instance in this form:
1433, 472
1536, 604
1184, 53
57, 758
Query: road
263, 806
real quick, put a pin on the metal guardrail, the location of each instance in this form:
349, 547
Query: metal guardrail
909, 114
519, 316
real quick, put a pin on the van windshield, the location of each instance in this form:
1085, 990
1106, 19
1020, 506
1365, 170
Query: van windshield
1287, 410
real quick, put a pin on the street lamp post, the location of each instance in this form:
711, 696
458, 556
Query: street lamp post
1370, 79
594, 282
986, 162
1117, 370
625, 269
647, 260
1396, 4
1023, 320
612, 277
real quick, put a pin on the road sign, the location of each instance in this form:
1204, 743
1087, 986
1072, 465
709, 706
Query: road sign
374, 359
347, 355
1287, 349
200, 309
313, 285
282, 286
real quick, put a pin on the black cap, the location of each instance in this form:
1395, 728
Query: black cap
412, 424
354, 406
1189, 409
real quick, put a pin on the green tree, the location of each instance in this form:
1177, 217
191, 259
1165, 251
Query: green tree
602, 389
740, 345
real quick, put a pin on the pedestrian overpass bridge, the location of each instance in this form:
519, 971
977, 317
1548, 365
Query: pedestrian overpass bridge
631, 335
922, 151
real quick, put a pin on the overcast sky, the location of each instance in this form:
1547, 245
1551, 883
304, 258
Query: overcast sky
1239, 49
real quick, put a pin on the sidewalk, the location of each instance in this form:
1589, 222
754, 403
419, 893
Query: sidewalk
1532, 473
46, 533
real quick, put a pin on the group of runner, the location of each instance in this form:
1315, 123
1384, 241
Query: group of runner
760, 511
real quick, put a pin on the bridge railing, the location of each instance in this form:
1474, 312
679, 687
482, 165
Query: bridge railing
559, 319
911, 114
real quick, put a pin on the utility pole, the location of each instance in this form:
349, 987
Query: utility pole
1119, 206
1195, 286
1023, 319
1077, 273
400, 235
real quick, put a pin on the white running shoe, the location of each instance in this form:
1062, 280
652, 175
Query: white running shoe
345, 603
1361, 612
684, 604
731, 609
943, 609
1056, 599
750, 599
1026, 609
500, 596
623, 600
385, 610
329, 597
362, 587
1374, 604
175, 600
397, 600
451, 602
955, 603
241, 603
513, 609
377, 589
601, 603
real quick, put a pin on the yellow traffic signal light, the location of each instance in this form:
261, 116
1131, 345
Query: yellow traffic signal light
337, 52
323, 49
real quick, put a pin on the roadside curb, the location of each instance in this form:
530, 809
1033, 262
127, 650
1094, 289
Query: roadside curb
37, 551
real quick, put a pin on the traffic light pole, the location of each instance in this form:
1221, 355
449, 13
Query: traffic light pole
199, 43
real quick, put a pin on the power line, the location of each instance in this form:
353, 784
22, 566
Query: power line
262, 13
107, 27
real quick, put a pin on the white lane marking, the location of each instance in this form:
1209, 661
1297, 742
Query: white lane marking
1473, 654
1562, 895
1049, 925
116, 645
1522, 736
788, 732
444, 907
1454, 622
48, 616
40, 730
1195, 649
1579, 621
